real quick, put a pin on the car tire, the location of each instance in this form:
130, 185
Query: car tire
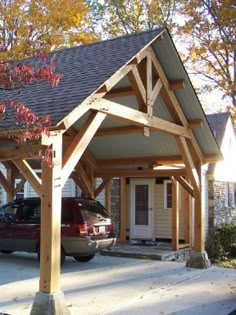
84, 258
6, 251
63, 255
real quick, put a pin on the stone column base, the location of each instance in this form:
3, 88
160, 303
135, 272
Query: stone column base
198, 260
49, 304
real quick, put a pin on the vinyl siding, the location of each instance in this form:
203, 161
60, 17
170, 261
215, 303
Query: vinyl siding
163, 217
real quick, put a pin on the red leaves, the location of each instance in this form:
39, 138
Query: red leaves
46, 156
23, 74
33, 126
16, 77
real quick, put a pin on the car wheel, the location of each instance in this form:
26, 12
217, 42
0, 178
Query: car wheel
84, 258
63, 255
6, 251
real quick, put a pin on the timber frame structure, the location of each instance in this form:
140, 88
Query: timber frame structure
137, 112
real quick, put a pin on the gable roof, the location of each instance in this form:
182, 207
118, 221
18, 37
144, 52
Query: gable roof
218, 122
86, 68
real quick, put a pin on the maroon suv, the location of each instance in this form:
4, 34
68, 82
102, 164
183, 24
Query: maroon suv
86, 227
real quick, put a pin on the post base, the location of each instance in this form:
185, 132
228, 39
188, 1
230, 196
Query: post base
49, 304
198, 260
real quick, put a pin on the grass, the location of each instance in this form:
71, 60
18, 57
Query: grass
226, 263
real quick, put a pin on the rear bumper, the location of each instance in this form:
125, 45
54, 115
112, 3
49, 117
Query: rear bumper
83, 246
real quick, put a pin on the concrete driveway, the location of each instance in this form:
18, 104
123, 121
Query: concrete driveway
113, 285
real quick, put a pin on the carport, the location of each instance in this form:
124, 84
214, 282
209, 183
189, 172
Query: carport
124, 108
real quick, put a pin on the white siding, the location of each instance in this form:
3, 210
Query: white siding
67, 191
163, 217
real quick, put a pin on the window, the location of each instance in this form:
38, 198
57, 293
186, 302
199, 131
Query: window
8, 212
31, 210
167, 194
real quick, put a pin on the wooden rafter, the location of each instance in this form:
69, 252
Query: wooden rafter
80, 143
29, 174
172, 103
138, 118
177, 84
189, 163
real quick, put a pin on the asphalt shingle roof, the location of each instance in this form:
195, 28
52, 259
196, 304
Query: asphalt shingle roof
218, 123
84, 69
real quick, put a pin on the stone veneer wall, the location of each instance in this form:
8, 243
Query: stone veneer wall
115, 204
222, 209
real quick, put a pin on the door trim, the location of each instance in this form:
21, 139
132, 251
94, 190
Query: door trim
151, 215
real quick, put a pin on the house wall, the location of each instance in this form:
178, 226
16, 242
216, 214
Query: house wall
225, 171
222, 203
162, 216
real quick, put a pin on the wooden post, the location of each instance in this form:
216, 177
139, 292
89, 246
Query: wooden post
199, 239
11, 182
186, 207
175, 215
50, 241
108, 196
123, 210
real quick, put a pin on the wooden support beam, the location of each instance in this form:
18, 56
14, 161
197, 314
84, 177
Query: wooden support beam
50, 237
88, 158
188, 161
25, 152
84, 178
19, 186
79, 182
139, 118
156, 90
138, 173
4, 182
187, 187
123, 210
80, 143
137, 86
176, 85
175, 215
146, 160
115, 131
29, 174
172, 103
103, 185
199, 228
186, 204
11, 182
120, 92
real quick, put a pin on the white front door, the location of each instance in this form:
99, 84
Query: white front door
142, 214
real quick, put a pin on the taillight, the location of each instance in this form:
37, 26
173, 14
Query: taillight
82, 229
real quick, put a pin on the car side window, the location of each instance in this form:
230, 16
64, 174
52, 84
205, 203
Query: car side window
31, 211
8, 212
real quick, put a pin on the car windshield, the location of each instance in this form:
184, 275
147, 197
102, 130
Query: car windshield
92, 210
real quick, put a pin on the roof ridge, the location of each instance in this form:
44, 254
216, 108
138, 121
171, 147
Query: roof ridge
157, 30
